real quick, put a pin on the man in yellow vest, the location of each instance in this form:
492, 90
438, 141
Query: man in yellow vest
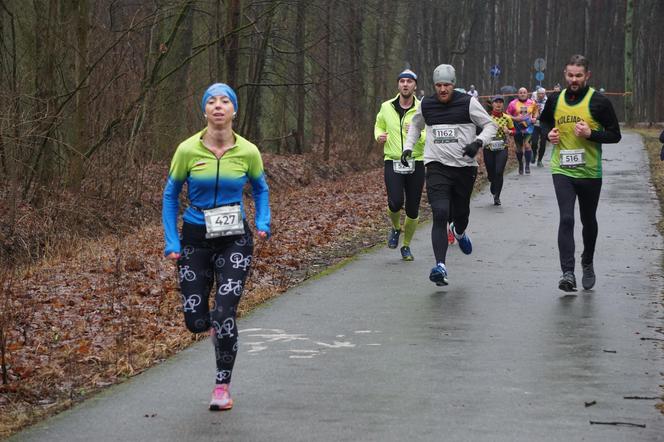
577, 121
403, 183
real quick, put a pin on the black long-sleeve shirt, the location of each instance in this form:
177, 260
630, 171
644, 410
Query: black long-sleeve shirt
601, 110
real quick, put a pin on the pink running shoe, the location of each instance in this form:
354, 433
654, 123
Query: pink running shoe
221, 398
450, 236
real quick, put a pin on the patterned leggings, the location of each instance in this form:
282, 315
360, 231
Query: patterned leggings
227, 261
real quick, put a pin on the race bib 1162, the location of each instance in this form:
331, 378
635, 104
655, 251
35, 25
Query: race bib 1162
444, 133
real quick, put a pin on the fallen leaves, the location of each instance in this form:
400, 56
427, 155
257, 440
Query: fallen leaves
114, 309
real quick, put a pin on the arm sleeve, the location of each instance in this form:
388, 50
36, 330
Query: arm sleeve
510, 126
602, 110
379, 127
170, 206
260, 192
661, 137
481, 118
415, 130
546, 119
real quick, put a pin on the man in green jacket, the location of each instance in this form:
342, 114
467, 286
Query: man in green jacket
403, 183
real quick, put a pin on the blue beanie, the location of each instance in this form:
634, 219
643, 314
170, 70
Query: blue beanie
219, 89
408, 74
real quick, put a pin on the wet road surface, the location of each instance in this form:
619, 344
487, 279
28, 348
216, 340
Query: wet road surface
375, 352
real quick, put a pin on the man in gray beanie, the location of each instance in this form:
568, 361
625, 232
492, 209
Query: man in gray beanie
451, 119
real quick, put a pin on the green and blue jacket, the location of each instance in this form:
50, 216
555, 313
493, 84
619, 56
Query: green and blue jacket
212, 182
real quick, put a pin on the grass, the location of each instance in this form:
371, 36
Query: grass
653, 148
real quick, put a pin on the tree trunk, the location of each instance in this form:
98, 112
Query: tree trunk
179, 31
219, 47
300, 27
251, 114
232, 43
629, 63
76, 161
328, 81
586, 28
44, 162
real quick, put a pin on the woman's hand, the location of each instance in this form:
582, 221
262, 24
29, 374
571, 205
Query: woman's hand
261, 234
173, 256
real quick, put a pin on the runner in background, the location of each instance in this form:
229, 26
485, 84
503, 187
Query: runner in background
539, 142
404, 184
495, 154
472, 91
523, 111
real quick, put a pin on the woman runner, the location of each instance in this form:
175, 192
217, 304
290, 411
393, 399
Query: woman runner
216, 243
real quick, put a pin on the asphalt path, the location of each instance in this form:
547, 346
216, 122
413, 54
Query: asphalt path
376, 352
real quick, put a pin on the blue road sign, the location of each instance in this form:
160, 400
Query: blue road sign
540, 64
539, 76
495, 71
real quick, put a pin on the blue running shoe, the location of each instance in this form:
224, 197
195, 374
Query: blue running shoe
465, 244
406, 254
438, 275
393, 238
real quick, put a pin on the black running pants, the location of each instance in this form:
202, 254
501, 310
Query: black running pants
495, 161
404, 188
587, 190
449, 190
226, 261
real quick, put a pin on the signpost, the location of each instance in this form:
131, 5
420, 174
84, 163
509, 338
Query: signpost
540, 66
495, 73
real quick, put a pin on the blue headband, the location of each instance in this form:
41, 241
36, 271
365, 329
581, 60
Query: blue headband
219, 89
408, 74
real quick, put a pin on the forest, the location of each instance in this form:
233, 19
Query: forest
95, 94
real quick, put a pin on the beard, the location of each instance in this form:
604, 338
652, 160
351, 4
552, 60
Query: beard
407, 94
578, 86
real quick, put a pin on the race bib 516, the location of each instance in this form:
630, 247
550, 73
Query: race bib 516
572, 158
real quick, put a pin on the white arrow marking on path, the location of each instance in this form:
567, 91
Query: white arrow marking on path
337, 344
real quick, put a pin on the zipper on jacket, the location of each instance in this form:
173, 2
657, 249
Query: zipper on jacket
402, 120
401, 131
216, 185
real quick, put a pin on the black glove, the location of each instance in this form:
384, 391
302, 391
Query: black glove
404, 157
471, 149
661, 154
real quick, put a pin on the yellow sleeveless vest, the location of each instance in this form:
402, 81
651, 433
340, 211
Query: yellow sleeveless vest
575, 156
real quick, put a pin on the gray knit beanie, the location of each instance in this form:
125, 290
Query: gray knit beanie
444, 73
